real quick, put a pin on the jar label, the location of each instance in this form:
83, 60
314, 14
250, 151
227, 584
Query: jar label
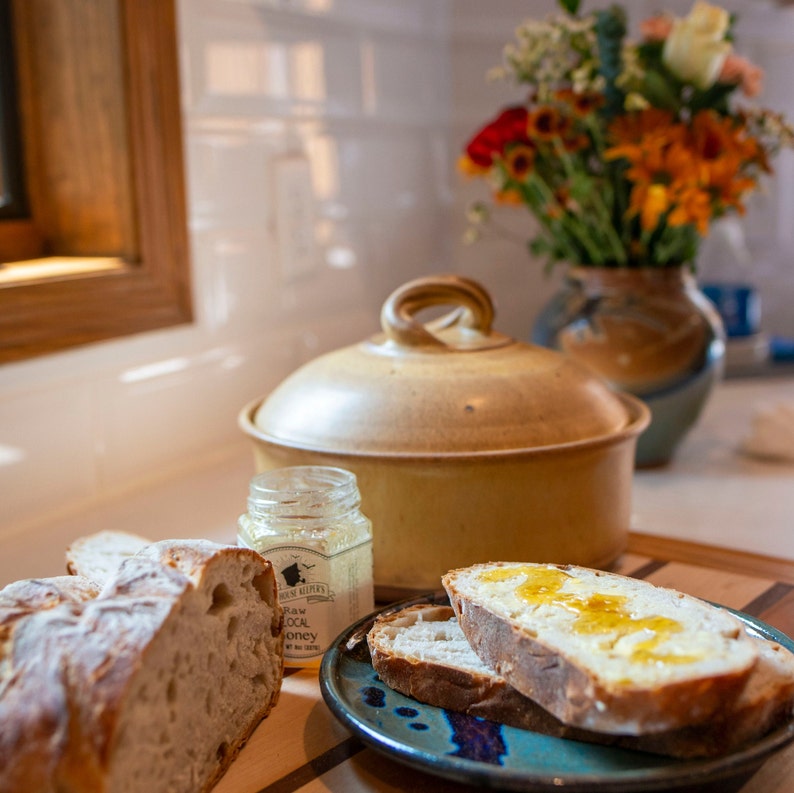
320, 594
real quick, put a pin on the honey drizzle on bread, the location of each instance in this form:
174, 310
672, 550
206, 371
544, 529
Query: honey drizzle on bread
598, 613
589, 680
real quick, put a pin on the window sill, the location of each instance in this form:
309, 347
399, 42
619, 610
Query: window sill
37, 270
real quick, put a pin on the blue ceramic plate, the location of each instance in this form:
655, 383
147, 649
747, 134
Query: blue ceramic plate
479, 752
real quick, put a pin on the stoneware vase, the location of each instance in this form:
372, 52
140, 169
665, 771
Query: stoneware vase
647, 331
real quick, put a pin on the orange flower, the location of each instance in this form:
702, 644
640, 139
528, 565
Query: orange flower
468, 167
663, 168
725, 153
684, 174
519, 161
655, 201
511, 197
727, 185
692, 205
581, 104
547, 123
636, 129
711, 135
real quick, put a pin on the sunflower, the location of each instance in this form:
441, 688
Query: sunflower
546, 124
580, 103
519, 161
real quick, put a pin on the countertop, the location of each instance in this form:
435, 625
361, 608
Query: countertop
711, 494
302, 747
715, 523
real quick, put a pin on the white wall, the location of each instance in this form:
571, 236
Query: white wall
372, 99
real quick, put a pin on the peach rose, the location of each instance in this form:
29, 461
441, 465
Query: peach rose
656, 28
737, 69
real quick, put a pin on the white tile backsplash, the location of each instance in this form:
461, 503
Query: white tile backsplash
377, 98
238, 157
50, 448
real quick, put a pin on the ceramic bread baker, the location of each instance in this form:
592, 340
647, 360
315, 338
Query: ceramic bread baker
467, 444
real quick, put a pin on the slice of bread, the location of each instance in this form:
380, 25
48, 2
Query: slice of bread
153, 684
421, 652
601, 651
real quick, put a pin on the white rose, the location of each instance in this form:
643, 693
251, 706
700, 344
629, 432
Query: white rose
696, 48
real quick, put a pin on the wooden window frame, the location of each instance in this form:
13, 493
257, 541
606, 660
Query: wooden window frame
151, 289
13, 202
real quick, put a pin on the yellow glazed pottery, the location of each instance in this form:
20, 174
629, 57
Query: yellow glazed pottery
468, 445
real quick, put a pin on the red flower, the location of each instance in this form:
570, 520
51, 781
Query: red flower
510, 126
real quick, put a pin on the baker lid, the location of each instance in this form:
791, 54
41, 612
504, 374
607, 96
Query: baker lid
451, 386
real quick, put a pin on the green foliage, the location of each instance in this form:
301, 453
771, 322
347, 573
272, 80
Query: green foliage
610, 30
570, 6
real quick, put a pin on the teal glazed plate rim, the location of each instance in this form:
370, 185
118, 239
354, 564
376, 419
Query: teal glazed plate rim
467, 749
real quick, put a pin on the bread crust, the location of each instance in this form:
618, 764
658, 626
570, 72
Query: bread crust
23, 597
99, 556
33, 703
34, 706
570, 689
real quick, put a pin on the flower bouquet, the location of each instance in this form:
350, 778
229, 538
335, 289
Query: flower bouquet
625, 152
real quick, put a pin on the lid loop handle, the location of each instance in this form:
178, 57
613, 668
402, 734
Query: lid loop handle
474, 312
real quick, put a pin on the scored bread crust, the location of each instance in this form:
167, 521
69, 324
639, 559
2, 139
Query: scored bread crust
20, 598
573, 685
77, 674
409, 653
33, 702
99, 556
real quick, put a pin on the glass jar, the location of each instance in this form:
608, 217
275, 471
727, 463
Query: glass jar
307, 521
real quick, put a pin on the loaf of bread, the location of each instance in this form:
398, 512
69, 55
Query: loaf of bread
99, 556
421, 652
600, 651
154, 683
